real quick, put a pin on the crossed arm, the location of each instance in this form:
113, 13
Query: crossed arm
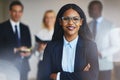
90, 72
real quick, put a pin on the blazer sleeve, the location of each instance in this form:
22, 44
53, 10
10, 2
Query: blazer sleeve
92, 74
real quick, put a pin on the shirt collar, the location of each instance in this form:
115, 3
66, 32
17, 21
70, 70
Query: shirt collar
72, 43
99, 20
14, 23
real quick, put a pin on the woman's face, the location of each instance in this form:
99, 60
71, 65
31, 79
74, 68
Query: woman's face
49, 19
71, 22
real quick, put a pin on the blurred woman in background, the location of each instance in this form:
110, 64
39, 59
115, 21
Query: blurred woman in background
45, 34
42, 38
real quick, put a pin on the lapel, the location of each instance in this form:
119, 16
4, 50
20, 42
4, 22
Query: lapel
21, 31
10, 29
80, 56
10, 32
59, 50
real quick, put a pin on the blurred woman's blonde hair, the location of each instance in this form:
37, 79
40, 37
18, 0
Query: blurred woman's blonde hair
44, 17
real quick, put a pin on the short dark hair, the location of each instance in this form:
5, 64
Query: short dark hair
13, 3
84, 31
94, 2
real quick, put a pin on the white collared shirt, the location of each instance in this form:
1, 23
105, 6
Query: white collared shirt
68, 57
45, 35
103, 43
13, 26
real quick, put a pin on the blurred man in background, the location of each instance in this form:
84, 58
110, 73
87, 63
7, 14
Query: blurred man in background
100, 28
15, 40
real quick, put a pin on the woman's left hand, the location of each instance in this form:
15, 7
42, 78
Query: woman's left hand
87, 68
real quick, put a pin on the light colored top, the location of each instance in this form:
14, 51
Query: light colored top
13, 24
103, 43
45, 35
114, 37
68, 57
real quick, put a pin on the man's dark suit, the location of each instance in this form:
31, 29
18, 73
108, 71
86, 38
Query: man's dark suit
86, 52
8, 42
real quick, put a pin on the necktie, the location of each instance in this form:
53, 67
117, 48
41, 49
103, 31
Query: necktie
94, 29
17, 36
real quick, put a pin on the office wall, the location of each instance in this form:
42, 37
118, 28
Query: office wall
34, 10
1, 10
111, 11
4, 9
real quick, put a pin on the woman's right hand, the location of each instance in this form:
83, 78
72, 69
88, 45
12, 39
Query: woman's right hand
42, 46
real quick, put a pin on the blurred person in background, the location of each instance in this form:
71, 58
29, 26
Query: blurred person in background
15, 40
41, 39
45, 34
100, 28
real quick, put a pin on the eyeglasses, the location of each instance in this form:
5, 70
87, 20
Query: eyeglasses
75, 19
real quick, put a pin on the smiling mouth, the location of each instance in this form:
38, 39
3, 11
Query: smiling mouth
71, 28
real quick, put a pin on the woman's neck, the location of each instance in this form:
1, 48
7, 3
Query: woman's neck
70, 38
50, 28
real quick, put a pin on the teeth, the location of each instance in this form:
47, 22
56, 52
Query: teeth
70, 27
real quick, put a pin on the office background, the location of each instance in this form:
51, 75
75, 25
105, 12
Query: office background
34, 10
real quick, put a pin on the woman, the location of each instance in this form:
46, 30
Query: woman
45, 34
71, 55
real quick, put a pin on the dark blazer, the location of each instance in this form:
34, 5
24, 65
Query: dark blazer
86, 52
8, 41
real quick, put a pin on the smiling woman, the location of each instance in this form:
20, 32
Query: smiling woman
84, 31
71, 55
71, 23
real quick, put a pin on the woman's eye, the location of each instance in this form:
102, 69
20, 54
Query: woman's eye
76, 19
66, 18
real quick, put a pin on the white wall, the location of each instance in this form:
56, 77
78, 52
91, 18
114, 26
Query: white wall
34, 10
